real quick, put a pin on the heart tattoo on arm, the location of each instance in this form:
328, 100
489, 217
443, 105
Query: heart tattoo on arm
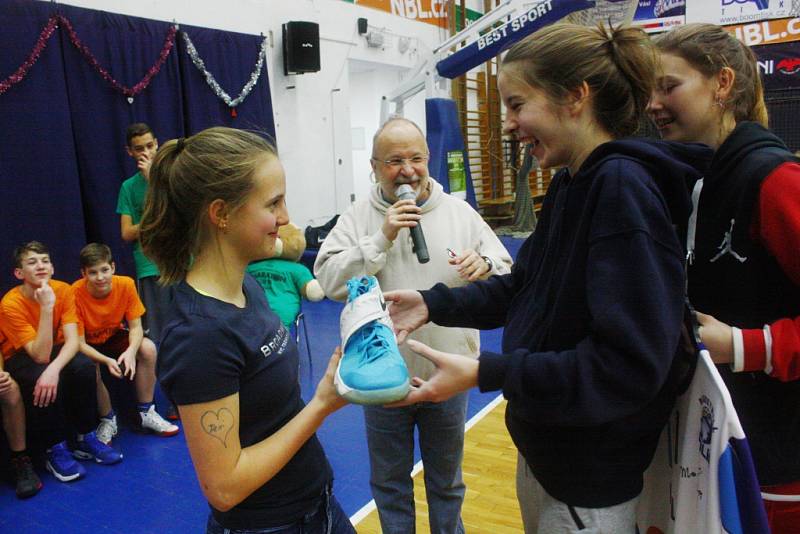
218, 424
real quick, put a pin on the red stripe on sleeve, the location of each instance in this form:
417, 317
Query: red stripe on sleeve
755, 350
785, 349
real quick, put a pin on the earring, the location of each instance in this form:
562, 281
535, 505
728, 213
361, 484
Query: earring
223, 226
720, 103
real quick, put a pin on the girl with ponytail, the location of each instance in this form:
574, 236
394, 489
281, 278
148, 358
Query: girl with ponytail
744, 271
592, 309
215, 203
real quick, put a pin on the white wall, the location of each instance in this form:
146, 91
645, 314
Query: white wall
312, 111
366, 81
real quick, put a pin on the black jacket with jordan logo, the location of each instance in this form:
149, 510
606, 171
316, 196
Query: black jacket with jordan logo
734, 278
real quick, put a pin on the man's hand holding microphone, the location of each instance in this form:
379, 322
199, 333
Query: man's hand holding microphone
406, 214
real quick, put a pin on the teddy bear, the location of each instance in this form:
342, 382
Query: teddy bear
284, 280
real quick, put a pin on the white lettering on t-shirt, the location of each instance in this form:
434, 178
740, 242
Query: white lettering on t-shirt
277, 343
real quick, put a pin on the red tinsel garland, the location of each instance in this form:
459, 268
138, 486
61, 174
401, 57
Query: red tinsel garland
41, 42
47, 32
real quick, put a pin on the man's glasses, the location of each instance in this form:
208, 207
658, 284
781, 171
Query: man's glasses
398, 163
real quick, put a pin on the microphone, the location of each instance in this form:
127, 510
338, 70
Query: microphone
406, 192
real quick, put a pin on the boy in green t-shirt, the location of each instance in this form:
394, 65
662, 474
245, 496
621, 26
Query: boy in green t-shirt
141, 145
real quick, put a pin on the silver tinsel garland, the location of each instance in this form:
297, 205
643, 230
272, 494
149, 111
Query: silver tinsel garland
212, 82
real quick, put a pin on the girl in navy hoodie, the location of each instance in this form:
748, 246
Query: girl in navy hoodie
592, 309
744, 269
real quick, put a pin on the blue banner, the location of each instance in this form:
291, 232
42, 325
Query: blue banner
496, 40
446, 141
659, 15
656, 9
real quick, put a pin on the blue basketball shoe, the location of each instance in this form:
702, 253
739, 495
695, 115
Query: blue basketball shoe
371, 370
61, 463
91, 448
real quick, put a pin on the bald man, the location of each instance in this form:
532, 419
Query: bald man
373, 237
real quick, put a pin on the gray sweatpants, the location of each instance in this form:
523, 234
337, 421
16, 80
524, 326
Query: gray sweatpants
157, 300
542, 514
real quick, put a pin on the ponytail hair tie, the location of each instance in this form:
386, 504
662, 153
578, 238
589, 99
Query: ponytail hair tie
613, 46
181, 144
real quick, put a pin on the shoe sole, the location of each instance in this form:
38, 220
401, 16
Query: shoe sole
80, 455
372, 396
59, 476
168, 434
139, 429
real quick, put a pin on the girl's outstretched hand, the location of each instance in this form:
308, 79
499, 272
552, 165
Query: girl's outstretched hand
407, 310
454, 373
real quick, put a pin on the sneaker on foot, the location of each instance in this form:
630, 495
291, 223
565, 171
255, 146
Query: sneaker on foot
107, 429
153, 422
91, 448
371, 370
28, 483
61, 463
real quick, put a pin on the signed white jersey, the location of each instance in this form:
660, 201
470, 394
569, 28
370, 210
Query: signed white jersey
702, 478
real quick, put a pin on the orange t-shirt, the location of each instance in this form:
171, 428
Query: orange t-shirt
5, 344
21, 315
102, 318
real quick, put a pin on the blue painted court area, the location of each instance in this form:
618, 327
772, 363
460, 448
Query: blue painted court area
154, 489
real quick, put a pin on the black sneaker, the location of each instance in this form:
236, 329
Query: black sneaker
28, 483
172, 412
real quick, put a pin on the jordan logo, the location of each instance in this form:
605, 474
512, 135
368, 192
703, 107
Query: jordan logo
726, 247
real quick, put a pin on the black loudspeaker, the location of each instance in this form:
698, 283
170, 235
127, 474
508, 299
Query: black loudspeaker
300, 47
362, 26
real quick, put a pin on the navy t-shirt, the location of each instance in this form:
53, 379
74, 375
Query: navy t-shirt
212, 349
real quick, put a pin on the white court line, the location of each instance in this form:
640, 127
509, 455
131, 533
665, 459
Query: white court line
365, 510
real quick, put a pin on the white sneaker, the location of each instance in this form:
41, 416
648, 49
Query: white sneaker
153, 422
107, 429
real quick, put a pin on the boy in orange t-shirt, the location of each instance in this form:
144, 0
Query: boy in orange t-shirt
41, 322
104, 300
13, 410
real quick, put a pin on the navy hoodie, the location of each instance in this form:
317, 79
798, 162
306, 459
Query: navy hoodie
592, 312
